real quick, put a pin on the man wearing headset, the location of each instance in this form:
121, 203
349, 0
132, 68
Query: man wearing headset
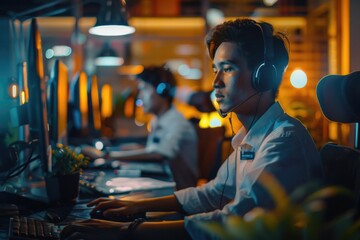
172, 137
248, 62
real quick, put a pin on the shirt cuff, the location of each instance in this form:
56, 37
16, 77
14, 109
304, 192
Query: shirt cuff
188, 199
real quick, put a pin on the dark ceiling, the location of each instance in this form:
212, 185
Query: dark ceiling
186, 7
63, 8
54, 7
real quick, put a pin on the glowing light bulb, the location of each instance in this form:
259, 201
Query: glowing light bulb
298, 78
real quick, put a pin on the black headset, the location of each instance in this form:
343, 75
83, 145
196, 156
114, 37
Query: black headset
264, 76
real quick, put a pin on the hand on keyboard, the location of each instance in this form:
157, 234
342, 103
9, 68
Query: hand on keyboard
99, 215
95, 229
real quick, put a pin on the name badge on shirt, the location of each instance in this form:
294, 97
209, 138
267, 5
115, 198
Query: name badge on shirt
247, 152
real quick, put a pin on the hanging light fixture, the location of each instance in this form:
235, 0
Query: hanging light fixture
112, 20
108, 57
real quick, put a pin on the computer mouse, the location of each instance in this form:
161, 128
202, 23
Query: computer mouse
98, 214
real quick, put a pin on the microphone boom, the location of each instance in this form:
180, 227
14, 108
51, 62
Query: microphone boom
223, 114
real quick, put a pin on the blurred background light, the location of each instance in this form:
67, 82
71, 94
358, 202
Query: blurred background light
298, 78
269, 3
58, 51
214, 16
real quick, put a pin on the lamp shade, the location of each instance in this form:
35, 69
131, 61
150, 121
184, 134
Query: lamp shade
112, 20
108, 57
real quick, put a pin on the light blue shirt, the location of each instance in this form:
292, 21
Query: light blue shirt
277, 144
175, 137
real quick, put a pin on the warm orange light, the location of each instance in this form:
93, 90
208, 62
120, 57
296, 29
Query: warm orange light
333, 131
210, 120
204, 120
279, 21
62, 99
345, 34
22, 97
130, 69
83, 99
129, 106
106, 101
40, 64
13, 90
166, 22
25, 82
95, 103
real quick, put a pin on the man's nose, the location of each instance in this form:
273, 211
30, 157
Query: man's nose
218, 81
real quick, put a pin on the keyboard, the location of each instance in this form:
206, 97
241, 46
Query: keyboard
90, 190
29, 228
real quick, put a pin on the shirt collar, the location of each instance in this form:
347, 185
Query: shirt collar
259, 128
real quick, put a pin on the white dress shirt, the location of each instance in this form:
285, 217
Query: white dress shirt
175, 137
277, 144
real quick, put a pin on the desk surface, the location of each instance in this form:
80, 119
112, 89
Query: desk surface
79, 210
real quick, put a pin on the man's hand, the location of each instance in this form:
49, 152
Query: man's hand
115, 207
94, 229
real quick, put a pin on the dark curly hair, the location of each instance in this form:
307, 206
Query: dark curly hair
248, 36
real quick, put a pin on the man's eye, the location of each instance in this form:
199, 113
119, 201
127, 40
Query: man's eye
228, 69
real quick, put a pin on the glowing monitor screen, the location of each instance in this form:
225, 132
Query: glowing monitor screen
94, 104
57, 103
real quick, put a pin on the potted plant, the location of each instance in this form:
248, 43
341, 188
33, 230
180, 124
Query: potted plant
62, 182
304, 215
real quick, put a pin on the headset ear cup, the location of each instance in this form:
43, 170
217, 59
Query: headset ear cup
264, 78
255, 78
162, 89
165, 90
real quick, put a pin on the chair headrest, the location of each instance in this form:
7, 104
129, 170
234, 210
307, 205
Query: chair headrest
339, 97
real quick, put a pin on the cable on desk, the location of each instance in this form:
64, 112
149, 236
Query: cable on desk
17, 147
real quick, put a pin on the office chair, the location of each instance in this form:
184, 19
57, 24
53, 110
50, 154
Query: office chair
339, 100
209, 140
223, 151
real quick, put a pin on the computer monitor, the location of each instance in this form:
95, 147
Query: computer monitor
94, 107
57, 103
36, 105
106, 101
78, 111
